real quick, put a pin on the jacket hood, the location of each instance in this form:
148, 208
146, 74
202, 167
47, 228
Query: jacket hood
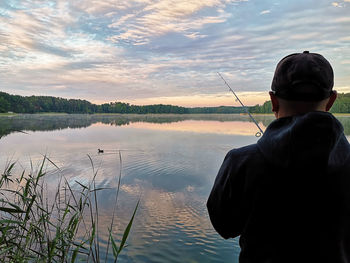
311, 139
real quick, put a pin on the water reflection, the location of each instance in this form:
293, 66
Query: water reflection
201, 126
38, 122
242, 124
170, 161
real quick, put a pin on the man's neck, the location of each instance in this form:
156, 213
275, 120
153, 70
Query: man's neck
285, 113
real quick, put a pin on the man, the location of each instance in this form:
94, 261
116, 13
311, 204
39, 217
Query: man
288, 195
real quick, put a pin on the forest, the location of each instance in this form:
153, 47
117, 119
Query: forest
341, 105
43, 104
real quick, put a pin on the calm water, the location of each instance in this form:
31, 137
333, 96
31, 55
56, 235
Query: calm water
170, 161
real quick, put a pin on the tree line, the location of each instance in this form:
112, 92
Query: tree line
40, 104
341, 105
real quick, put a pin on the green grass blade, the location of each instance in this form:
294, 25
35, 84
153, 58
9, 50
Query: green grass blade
8, 221
11, 210
127, 229
114, 244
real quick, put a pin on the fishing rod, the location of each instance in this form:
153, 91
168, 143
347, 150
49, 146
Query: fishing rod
260, 132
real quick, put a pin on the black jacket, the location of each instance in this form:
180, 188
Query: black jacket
288, 196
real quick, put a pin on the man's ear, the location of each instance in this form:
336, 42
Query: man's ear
274, 102
331, 100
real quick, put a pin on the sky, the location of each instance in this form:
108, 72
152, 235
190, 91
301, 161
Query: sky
164, 51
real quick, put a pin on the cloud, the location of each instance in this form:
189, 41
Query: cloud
345, 38
147, 49
345, 89
344, 19
168, 16
215, 99
304, 36
337, 4
265, 12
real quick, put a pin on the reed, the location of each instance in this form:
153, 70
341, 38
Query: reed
38, 227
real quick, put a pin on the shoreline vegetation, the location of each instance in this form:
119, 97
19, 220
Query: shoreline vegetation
60, 225
15, 104
147, 114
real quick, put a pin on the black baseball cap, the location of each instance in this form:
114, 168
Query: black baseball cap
303, 77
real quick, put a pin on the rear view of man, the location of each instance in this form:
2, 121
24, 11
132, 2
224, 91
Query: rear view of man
288, 195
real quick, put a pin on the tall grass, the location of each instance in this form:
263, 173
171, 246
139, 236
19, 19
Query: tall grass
36, 226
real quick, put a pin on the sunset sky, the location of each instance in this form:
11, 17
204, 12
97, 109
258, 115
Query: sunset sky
164, 51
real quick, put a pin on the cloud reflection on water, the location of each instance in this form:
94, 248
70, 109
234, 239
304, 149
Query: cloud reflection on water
201, 126
171, 162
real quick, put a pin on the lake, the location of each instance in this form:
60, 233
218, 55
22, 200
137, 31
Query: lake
168, 161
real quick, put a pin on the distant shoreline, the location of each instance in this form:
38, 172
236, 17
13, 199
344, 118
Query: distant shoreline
130, 114
11, 104
148, 114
